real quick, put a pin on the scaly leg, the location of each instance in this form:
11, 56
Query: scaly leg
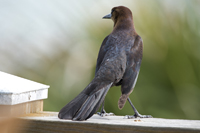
103, 112
137, 114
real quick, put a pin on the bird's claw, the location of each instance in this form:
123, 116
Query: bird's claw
105, 114
137, 115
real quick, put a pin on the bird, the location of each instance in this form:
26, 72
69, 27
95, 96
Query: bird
118, 64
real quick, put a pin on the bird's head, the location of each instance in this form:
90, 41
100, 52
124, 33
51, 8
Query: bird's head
119, 14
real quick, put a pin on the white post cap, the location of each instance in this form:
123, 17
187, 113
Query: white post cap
16, 90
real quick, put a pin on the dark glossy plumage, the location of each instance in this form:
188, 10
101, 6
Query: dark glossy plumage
118, 63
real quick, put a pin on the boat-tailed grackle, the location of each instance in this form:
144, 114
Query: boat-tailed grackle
118, 63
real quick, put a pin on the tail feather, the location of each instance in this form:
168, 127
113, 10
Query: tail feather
89, 105
69, 110
85, 105
98, 104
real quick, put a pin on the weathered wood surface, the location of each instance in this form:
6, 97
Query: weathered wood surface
48, 122
22, 108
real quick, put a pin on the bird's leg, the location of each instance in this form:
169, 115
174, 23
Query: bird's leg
103, 112
137, 114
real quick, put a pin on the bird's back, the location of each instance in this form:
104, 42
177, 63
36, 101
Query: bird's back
118, 48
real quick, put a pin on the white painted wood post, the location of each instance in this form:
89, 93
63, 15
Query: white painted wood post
20, 96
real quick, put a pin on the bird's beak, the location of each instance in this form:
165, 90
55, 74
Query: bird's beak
108, 16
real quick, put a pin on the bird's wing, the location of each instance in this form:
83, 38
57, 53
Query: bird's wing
101, 54
132, 70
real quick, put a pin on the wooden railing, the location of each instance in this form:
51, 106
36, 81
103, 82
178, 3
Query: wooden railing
48, 122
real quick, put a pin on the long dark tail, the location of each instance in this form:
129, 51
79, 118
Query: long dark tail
87, 102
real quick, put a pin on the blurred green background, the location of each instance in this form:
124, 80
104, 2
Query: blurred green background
57, 42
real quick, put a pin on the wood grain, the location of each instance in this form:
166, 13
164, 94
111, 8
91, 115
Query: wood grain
48, 122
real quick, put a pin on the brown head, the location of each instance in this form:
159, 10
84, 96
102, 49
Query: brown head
121, 16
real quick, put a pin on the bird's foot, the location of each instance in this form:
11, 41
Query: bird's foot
103, 113
137, 115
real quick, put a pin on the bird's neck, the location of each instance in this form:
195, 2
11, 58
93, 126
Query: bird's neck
124, 25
